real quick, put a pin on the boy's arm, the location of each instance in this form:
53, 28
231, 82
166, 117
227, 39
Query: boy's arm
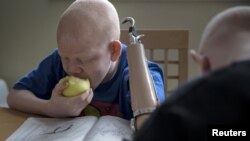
39, 92
144, 96
56, 106
146, 84
26, 101
158, 80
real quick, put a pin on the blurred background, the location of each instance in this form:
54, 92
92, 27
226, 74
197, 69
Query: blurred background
28, 27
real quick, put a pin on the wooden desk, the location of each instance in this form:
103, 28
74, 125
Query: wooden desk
10, 120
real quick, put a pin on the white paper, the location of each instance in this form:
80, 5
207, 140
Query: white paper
110, 128
87, 128
53, 129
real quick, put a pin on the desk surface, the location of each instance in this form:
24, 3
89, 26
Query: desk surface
10, 120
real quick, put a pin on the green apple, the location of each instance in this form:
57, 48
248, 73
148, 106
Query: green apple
76, 86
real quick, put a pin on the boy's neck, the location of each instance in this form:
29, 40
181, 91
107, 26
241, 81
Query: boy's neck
112, 71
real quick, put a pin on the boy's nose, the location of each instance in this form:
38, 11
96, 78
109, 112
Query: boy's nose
73, 69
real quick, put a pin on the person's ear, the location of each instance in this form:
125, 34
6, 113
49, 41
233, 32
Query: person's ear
116, 48
202, 61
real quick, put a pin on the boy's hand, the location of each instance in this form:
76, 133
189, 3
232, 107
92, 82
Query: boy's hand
60, 106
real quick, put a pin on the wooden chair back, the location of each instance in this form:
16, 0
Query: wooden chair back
168, 48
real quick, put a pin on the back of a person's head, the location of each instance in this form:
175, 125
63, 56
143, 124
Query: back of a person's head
226, 38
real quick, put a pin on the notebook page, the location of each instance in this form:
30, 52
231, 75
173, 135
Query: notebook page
53, 129
110, 128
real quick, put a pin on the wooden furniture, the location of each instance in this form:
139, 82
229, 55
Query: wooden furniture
168, 48
10, 120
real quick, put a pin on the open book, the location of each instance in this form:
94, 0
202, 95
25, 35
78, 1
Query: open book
87, 128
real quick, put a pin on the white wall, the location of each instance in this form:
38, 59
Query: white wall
27, 34
28, 27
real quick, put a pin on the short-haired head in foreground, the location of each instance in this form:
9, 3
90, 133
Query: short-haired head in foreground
226, 39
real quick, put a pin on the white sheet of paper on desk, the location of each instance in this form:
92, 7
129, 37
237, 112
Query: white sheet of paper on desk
73, 129
114, 129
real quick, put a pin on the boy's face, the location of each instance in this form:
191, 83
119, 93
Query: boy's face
85, 59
